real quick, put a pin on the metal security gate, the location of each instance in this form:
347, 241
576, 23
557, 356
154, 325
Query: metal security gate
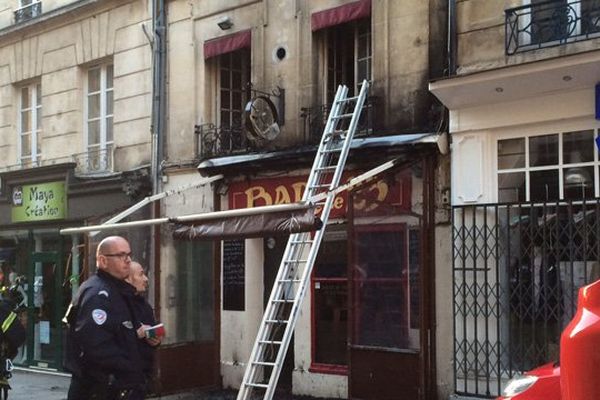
517, 269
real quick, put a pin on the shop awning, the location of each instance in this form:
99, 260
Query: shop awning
255, 221
227, 44
258, 225
221, 216
339, 15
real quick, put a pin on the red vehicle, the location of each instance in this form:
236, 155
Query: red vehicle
542, 383
579, 356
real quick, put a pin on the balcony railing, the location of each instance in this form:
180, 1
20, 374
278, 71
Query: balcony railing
95, 162
27, 12
315, 119
550, 23
214, 141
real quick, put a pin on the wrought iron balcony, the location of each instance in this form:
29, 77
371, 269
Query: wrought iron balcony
551, 23
95, 162
29, 11
315, 119
213, 141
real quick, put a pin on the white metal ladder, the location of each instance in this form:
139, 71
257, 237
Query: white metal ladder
293, 277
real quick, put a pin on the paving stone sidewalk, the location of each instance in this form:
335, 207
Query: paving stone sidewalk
28, 385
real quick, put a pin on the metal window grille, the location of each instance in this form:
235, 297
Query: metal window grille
517, 270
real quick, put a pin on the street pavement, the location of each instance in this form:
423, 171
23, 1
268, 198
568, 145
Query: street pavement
27, 385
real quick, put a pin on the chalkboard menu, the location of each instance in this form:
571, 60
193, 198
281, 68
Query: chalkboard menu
233, 275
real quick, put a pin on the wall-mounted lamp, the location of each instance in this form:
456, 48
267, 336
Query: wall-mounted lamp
225, 23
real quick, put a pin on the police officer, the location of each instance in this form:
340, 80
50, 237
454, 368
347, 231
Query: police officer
102, 352
145, 316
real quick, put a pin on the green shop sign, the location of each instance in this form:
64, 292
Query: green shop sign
39, 202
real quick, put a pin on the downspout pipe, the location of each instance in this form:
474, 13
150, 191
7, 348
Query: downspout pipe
159, 118
159, 92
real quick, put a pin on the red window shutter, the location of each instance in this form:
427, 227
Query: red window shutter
339, 15
227, 44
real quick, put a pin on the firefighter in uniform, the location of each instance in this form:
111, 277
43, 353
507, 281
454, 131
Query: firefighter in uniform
102, 352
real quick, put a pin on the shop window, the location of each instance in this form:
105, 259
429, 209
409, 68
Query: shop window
191, 292
99, 119
348, 56
330, 303
30, 125
381, 285
547, 167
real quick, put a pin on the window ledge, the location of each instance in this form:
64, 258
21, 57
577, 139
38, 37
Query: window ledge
45, 16
331, 369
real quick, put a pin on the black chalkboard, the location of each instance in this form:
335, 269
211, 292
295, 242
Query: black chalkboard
233, 275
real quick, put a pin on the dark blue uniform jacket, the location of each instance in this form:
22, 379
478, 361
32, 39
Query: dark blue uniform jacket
145, 315
102, 343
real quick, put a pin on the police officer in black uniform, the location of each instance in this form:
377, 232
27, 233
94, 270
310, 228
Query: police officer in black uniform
102, 352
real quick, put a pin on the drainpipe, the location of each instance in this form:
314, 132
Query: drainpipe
451, 37
159, 101
159, 93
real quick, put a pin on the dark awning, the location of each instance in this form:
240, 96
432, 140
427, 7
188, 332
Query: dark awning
227, 44
339, 15
248, 226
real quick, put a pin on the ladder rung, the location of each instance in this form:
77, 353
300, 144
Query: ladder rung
341, 116
319, 186
337, 150
347, 99
294, 261
283, 301
257, 385
275, 342
336, 132
276, 321
266, 364
332, 167
289, 281
300, 241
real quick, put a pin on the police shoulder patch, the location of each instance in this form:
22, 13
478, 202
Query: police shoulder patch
99, 316
103, 293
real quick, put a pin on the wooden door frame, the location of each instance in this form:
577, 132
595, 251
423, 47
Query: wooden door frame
427, 351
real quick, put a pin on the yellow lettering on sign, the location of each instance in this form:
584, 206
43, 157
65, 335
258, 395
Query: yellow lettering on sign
282, 196
255, 193
382, 192
298, 190
338, 203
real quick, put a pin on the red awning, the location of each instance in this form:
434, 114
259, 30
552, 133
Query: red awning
227, 44
339, 15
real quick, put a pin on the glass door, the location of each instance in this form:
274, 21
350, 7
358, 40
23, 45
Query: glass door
45, 308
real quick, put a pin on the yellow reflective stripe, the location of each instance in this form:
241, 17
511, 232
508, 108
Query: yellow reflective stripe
8, 321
